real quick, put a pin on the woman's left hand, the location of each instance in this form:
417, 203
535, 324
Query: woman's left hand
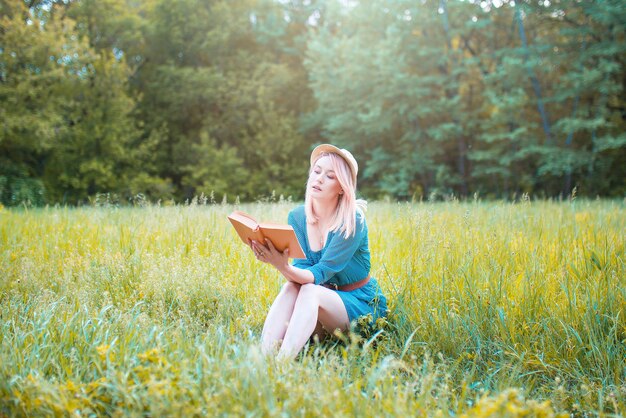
269, 254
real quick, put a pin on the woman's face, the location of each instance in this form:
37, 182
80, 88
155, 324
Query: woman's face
323, 183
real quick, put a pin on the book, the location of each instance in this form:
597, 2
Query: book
282, 236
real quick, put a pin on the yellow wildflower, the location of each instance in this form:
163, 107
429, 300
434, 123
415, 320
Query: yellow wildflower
102, 351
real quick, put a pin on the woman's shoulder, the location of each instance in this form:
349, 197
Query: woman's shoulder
360, 218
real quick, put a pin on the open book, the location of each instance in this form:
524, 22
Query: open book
282, 236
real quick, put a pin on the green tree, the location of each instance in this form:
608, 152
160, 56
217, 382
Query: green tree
125, 164
68, 129
175, 99
389, 83
215, 89
38, 60
588, 42
467, 96
94, 150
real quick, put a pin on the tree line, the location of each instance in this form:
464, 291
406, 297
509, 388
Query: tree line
174, 99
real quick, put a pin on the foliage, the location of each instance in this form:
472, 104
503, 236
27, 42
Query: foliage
220, 94
171, 99
475, 96
500, 309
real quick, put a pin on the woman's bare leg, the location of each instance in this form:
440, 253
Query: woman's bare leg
314, 303
278, 317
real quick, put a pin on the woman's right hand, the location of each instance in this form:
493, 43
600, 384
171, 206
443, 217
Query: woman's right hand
259, 250
278, 259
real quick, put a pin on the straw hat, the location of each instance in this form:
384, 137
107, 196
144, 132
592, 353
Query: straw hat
343, 153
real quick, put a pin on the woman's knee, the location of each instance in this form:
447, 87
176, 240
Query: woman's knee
291, 287
308, 290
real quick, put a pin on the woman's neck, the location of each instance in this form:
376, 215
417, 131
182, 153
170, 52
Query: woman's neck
324, 210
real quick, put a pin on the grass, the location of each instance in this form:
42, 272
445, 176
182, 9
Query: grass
497, 309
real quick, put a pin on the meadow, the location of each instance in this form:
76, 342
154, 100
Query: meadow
496, 309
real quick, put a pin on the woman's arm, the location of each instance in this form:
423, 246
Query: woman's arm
338, 253
269, 254
297, 275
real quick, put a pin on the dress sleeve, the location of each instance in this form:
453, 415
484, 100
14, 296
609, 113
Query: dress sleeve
302, 263
339, 252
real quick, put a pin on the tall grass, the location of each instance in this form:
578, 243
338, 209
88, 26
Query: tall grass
496, 309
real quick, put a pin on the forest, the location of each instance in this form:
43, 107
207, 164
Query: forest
169, 100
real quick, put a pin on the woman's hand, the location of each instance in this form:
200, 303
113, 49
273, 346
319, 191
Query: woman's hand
269, 254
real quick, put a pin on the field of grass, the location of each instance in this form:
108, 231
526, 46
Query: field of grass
497, 309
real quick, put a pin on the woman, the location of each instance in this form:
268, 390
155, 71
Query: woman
332, 286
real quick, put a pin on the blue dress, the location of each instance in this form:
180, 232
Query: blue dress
342, 261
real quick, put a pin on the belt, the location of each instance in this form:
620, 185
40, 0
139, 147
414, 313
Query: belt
348, 287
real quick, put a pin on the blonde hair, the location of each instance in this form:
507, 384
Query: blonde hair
344, 219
